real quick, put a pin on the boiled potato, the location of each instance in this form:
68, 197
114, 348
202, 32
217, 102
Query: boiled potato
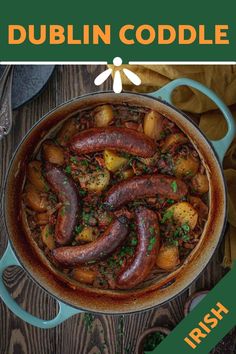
113, 162
127, 173
152, 125
200, 183
48, 237
168, 257
68, 130
53, 153
34, 174
84, 275
88, 234
184, 213
172, 139
34, 199
42, 218
103, 115
186, 166
96, 181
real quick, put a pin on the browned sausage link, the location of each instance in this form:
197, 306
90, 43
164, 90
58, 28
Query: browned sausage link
146, 252
99, 249
143, 187
66, 192
113, 138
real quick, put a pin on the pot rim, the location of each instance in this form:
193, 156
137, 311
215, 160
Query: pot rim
44, 117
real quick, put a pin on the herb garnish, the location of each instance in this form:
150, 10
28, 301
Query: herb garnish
180, 233
168, 215
174, 186
85, 163
152, 242
74, 159
68, 169
82, 192
79, 228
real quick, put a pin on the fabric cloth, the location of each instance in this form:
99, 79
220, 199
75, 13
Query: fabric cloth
222, 80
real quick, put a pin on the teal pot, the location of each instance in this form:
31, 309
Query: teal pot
22, 251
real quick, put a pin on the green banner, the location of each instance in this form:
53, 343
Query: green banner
207, 324
101, 30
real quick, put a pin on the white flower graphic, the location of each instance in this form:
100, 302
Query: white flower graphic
117, 83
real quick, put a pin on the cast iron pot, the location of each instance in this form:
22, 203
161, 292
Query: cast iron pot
20, 250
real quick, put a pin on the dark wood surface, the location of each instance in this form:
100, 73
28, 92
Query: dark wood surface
81, 334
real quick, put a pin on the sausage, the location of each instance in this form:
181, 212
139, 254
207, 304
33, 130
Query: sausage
96, 250
113, 138
142, 187
146, 252
66, 191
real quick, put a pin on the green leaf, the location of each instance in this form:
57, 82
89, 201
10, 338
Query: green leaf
174, 186
79, 228
68, 169
168, 215
185, 227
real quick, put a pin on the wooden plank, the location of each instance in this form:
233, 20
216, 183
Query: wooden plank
81, 334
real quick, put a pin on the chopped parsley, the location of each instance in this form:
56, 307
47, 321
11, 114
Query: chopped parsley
152, 242
68, 169
134, 241
152, 230
74, 159
87, 216
186, 227
180, 233
82, 192
168, 215
79, 228
174, 186
170, 201
63, 211
85, 163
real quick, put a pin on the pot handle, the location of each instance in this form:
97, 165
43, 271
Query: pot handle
65, 311
221, 145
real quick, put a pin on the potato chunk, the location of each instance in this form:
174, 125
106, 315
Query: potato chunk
184, 213
186, 166
68, 130
96, 181
88, 234
103, 115
34, 174
53, 153
84, 275
114, 162
34, 199
48, 237
173, 139
168, 257
200, 183
152, 125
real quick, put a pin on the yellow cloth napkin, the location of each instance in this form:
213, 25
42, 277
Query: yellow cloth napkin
222, 80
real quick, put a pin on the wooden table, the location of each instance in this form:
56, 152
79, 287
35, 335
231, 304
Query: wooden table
81, 334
